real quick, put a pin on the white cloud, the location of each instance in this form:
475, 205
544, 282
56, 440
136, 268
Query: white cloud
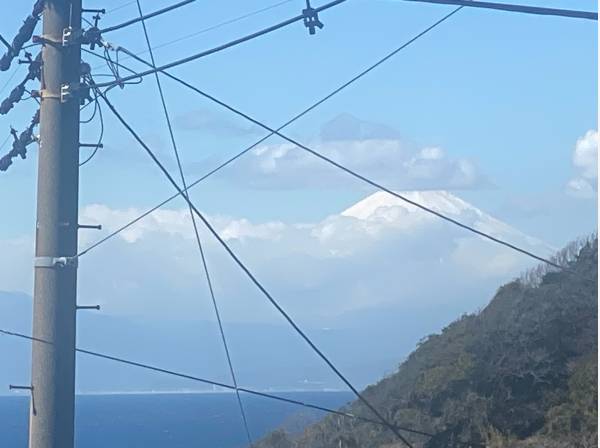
381, 252
215, 123
373, 150
585, 162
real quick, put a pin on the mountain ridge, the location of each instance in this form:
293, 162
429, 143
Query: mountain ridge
520, 373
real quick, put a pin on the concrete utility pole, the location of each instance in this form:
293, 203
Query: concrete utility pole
52, 414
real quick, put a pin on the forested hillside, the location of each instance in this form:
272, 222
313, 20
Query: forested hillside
520, 373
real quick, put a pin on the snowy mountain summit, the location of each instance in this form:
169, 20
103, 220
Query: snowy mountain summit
382, 208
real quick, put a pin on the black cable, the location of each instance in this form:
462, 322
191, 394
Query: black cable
4, 142
147, 16
360, 176
251, 276
95, 150
222, 385
224, 23
10, 78
266, 137
219, 25
196, 233
213, 27
94, 112
116, 8
538, 10
369, 181
113, 67
229, 44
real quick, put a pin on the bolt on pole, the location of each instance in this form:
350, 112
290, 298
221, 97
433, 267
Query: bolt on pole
52, 420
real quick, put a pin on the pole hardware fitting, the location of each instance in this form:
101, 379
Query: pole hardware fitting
13, 387
92, 37
88, 307
28, 59
71, 36
98, 11
74, 90
30, 389
55, 262
66, 92
43, 39
85, 69
91, 145
90, 226
311, 19
44, 94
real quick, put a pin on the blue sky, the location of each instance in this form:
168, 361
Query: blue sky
512, 92
499, 110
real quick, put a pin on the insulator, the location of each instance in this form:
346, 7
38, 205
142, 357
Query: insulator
5, 162
24, 34
15, 96
5, 61
38, 8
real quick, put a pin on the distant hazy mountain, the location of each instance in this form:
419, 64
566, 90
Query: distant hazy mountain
520, 373
365, 343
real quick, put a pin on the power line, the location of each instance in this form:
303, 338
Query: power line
227, 45
266, 137
251, 276
97, 107
360, 176
222, 385
10, 78
218, 25
196, 233
147, 16
117, 8
538, 10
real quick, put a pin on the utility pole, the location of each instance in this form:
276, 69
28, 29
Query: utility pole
52, 414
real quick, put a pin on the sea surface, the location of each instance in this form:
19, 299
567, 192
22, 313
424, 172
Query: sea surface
209, 420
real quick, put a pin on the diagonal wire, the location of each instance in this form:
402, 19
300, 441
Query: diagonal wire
526, 9
162, 370
196, 233
124, 5
10, 78
251, 276
100, 137
363, 178
226, 45
359, 176
213, 27
221, 24
147, 16
266, 137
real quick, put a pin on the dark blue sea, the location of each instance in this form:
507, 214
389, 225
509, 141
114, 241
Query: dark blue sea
169, 420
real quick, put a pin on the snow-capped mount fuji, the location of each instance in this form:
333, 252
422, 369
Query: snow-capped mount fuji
382, 208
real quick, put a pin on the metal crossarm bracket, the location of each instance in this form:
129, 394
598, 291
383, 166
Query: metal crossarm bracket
66, 93
44, 94
13, 387
90, 226
88, 307
44, 39
55, 262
